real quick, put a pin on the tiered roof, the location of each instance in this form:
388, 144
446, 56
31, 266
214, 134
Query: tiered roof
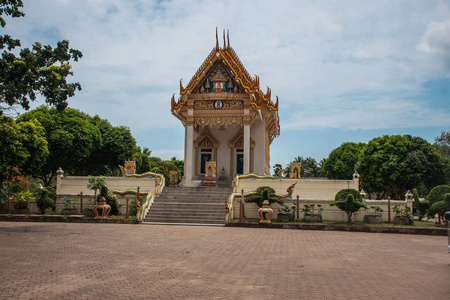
237, 71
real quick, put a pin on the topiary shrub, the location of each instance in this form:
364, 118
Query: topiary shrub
349, 206
110, 198
44, 199
422, 208
440, 207
264, 193
437, 193
342, 195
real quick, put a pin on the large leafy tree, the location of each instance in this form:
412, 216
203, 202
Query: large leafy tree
118, 145
341, 162
40, 70
22, 145
309, 167
394, 164
71, 140
442, 143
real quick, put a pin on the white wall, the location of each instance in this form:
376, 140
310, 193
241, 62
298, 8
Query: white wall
258, 135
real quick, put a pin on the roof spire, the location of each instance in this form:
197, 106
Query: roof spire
217, 40
228, 38
224, 44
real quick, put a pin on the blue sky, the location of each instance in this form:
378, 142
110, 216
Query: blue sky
343, 70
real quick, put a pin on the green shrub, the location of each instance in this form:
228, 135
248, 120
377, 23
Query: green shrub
110, 198
440, 207
422, 208
349, 205
342, 195
264, 193
44, 199
437, 193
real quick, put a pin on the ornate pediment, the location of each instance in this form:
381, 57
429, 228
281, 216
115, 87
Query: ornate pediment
206, 140
218, 80
238, 140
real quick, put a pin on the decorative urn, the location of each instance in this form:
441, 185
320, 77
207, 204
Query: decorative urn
265, 213
101, 205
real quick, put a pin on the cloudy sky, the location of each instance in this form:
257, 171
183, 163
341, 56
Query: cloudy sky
343, 70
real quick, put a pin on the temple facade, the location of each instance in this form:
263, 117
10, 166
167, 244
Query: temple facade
227, 118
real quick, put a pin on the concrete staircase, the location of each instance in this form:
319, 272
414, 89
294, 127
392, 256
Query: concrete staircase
190, 205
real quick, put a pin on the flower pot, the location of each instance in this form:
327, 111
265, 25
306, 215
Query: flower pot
21, 211
403, 220
373, 219
21, 205
312, 218
88, 212
284, 217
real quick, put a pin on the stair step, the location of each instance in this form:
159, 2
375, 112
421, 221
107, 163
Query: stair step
193, 205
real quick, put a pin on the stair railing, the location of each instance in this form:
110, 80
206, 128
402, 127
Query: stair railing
141, 211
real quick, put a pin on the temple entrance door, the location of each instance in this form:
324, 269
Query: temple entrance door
239, 161
205, 156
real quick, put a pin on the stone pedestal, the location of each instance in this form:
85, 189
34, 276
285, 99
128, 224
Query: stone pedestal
265, 213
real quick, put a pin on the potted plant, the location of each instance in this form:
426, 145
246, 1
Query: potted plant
311, 214
22, 200
264, 193
374, 215
403, 216
69, 207
286, 213
349, 205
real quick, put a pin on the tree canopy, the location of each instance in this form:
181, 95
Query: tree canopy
81, 144
394, 164
341, 162
22, 145
442, 143
40, 70
71, 139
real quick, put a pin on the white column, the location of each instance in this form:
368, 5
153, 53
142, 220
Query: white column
246, 149
189, 153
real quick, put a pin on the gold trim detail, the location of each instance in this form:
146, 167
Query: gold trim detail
140, 210
229, 204
159, 178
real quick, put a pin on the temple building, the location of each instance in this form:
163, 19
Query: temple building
227, 118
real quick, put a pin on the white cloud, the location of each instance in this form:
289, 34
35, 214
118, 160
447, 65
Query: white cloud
319, 57
436, 40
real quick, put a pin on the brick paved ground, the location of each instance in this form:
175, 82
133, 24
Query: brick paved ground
111, 261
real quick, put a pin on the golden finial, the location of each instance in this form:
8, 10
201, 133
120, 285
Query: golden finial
228, 38
181, 85
224, 44
217, 40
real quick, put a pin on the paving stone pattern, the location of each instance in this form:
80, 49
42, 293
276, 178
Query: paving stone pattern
124, 261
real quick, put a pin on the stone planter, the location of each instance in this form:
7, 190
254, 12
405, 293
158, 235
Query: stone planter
403, 221
373, 219
283, 217
21, 211
88, 212
312, 218
69, 211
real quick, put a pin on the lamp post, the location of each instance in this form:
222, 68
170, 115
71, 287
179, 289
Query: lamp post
127, 207
298, 209
81, 202
241, 212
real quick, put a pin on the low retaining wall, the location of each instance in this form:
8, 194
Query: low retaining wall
331, 213
311, 191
